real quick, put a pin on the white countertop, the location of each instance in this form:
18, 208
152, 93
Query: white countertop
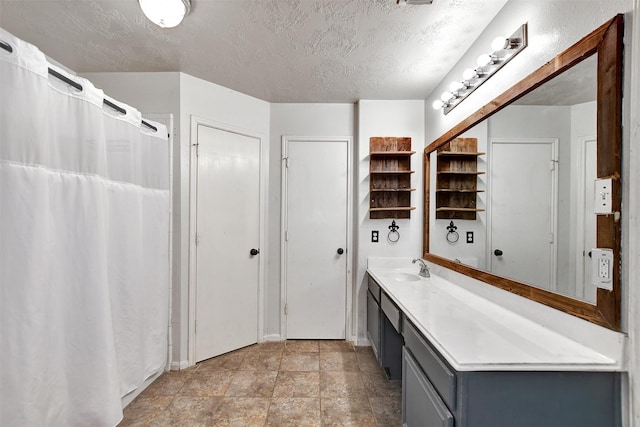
475, 334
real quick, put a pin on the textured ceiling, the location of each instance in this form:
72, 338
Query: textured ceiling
276, 50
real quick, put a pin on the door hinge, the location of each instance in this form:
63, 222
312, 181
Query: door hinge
552, 164
286, 236
197, 239
197, 149
286, 309
286, 162
550, 237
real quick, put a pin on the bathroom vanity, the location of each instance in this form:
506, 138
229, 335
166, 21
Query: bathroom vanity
467, 361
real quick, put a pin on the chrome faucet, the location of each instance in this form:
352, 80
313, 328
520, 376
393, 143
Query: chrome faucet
424, 270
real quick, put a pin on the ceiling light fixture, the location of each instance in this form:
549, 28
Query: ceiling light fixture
504, 49
165, 13
403, 2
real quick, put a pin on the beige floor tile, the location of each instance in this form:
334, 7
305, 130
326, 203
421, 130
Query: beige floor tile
261, 361
301, 346
241, 412
168, 384
144, 409
297, 384
377, 385
342, 361
346, 411
252, 384
229, 361
294, 412
387, 411
187, 410
367, 361
300, 362
335, 345
341, 384
207, 384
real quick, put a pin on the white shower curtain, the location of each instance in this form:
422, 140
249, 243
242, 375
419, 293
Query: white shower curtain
84, 249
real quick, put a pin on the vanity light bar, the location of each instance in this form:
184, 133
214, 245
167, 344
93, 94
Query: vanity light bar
504, 49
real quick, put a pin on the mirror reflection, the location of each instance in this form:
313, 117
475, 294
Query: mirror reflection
533, 165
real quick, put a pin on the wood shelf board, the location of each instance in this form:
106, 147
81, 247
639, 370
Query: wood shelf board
460, 154
392, 153
391, 172
449, 190
380, 190
451, 209
393, 208
459, 173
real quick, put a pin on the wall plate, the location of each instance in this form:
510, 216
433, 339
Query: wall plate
602, 196
602, 268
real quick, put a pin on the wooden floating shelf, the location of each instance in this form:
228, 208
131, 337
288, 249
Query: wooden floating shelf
392, 153
460, 173
391, 172
391, 189
449, 190
390, 177
452, 209
396, 208
460, 154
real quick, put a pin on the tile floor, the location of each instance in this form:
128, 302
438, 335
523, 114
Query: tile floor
292, 383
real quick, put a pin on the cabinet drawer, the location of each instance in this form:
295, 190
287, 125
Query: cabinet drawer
421, 405
391, 311
440, 375
374, 288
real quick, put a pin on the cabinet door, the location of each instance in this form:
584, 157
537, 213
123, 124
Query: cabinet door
421, 405
373, 323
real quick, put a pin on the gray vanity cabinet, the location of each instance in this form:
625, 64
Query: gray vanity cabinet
384, 327
373, 316
434, 394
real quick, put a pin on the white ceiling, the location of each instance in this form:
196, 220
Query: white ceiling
275, 50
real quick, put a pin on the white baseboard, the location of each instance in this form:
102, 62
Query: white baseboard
179, 366
272, 337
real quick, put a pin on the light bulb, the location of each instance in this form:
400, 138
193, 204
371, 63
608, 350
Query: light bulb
499, 43
484, 60
165, 13
469, 74
456, 86
437, 104
446, 96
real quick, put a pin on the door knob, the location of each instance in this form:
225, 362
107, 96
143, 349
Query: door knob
340, 251
254, 252
497, 252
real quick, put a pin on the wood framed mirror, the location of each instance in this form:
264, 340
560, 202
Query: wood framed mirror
605, 48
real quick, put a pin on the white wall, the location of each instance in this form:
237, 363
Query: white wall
294, 120
386, 118
554, 25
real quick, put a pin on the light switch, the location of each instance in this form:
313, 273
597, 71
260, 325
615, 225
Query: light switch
602, 196
602, 268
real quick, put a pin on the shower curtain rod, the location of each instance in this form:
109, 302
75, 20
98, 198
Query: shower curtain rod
78, 86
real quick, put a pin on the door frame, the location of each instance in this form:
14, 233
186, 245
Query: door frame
349, 288
193, 216
581, 152
554, 200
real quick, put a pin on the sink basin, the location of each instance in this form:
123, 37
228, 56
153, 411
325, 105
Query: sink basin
402, 277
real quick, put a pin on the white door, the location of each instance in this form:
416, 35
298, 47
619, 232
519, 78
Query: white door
228, 227
522, 209
588, 231
315, 246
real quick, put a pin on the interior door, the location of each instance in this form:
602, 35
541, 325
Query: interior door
522, 192
588, 232
228, 228
315, 274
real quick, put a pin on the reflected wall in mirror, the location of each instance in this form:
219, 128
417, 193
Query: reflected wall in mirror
546, 140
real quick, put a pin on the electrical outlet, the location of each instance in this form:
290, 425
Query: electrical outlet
602, 268
602, 196
374, 236
469, 236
